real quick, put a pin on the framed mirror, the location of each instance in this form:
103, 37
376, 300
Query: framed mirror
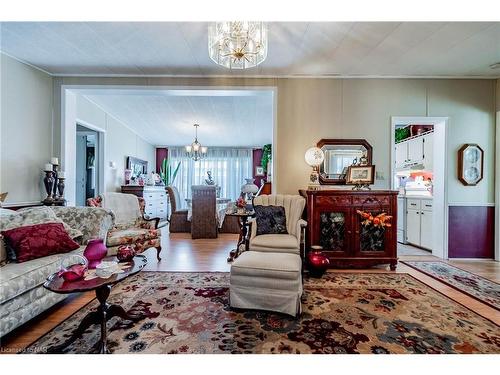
339, 155
137, 166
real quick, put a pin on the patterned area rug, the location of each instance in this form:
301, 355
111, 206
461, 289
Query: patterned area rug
343, 313
475, 286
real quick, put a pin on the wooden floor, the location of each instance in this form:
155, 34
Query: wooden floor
182, 254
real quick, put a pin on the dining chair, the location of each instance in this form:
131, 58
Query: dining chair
204, 223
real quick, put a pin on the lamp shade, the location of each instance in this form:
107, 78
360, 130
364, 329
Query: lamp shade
314, 156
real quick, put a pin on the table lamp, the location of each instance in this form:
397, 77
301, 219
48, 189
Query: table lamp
314, 157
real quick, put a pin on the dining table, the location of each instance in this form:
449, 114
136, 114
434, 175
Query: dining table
221, 204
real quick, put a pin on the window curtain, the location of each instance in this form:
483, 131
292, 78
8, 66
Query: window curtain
229, 167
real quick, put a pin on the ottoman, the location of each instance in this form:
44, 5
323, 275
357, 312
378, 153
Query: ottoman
267, 281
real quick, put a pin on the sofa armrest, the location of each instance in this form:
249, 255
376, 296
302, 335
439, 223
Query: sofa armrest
253, 227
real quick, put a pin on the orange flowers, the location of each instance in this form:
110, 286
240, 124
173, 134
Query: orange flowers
381, 220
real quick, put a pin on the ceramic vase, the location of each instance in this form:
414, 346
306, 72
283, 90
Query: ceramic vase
95, 252
317, 263
125, 253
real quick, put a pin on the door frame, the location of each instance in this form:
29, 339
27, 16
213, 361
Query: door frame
440, 169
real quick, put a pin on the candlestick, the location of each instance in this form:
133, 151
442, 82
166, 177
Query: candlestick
56, 177
60, 188
48, 167
48, 181
54, 161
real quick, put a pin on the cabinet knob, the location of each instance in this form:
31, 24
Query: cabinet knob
357, 232
349, 232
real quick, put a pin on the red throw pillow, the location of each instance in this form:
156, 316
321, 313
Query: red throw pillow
37, 241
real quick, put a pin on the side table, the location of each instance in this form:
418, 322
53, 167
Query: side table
243, 217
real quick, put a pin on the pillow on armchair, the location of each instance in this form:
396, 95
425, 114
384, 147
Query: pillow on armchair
270, 220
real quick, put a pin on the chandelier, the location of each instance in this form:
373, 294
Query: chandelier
195, 150
237, 45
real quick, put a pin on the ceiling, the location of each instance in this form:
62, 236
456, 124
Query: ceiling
295, 49
227, 118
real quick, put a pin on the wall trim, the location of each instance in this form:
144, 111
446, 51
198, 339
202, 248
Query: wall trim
470, 204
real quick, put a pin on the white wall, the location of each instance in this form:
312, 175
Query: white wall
26, 130
120, 142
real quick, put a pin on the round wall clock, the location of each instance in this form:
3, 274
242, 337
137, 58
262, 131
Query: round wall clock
470, 164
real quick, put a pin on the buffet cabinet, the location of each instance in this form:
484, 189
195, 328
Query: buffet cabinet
336, 226
155, 199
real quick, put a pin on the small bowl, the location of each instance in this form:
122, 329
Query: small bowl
106, 269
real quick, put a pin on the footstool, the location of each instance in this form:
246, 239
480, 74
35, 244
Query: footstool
266, 281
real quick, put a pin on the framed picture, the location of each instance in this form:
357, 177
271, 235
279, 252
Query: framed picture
470, 164
360, 175
137, 166
259, 171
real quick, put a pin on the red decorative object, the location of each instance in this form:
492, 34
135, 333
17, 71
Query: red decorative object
318, 263
95, 252
40, 240
241, 202
125, 253
74, 271
381, 220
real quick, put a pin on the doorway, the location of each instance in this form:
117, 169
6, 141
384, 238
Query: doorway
87, 164
418, 171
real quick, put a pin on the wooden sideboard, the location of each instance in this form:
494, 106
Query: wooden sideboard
335, 225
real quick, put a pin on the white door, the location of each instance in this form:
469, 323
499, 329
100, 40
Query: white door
426, 229
401, 154
428, 156
416, 150
413, 227
81, 169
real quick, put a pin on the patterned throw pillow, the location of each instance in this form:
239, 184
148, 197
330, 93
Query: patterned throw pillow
40, 240
270, 220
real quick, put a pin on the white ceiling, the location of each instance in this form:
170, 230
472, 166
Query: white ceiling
295, 49
236, 118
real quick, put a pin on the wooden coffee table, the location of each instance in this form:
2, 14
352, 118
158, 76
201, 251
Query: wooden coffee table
102, 288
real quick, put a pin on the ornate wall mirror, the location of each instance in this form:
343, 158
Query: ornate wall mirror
340, 154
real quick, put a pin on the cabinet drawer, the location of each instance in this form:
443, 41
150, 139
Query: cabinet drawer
340, 200
149, 213
426, 205
371, 201
413, 204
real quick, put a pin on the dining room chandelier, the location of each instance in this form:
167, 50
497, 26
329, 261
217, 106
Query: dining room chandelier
237, 44
195, 150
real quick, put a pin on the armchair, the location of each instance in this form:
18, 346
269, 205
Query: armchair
178, 218
131, 227
280, 243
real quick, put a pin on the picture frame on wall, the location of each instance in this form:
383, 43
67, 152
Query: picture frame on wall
259, 171
360, 175
137, 166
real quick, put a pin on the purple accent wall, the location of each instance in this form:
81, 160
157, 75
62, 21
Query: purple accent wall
471, 232
161, 153
257, 157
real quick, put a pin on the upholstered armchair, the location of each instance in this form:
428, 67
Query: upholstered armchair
280, 243
131, 227
204, 222
178, 218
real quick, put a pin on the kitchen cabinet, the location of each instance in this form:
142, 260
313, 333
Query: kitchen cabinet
419, 222
428, 155
413, 151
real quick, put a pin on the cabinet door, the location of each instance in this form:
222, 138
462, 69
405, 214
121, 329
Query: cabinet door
401, 154
413, 227
428, 156
333, 229
426, 229
371, 240
416, 150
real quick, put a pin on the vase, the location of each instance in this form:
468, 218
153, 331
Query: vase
125, 253
317, 263
95, 251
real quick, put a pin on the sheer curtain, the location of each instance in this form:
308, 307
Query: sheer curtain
229, 167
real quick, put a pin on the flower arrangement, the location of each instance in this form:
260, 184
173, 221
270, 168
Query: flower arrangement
241, 202
381, 220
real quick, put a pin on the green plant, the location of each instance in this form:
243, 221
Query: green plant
266, 156
402, 133
166, 174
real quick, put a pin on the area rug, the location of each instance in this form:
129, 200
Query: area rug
343, 313
478, 287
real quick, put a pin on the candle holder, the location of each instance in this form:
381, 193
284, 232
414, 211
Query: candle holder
56, 178
60, 189
49, 183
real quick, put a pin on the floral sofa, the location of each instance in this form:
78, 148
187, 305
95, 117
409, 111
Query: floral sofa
131, 227
22, 295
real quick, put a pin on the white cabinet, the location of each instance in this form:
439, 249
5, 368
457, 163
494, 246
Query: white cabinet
419, 222
156, 203
414, 151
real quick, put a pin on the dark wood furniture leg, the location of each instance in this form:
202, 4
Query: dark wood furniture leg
242, 239
104, 312
158, 250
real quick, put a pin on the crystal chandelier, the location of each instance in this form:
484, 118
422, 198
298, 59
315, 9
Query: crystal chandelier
195, 150
237, 45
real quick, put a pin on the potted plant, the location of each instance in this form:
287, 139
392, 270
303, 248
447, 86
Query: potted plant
266, 157
167, 173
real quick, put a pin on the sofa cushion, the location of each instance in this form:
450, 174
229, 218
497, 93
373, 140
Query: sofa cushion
18, 278
40, 240
131, 235
267, 265
275, 241
270, 220
36, 215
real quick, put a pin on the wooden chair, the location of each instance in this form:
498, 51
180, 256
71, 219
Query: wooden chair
178, 218
204, 218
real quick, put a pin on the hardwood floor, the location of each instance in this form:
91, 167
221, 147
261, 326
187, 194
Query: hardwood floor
182, 254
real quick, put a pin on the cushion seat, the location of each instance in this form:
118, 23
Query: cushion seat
131, 236
284, 243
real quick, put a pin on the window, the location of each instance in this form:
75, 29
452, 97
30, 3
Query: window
229, 167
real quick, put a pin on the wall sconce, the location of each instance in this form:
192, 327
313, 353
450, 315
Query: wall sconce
112, 165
